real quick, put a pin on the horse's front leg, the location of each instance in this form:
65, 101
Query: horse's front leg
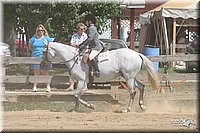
86, 104
78, 94
79, 100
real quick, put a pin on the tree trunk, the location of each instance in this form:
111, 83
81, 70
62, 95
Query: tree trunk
10, 38
9, 25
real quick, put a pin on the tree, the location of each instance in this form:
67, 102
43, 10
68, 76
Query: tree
9, 25
59, 18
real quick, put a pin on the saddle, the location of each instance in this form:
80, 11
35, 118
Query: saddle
102, 56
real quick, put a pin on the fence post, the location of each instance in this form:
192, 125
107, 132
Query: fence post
114, 89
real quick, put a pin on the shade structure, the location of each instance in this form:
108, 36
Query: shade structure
175, 9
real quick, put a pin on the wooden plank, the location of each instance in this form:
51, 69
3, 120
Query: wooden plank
37, 79
29, 60
189, 25
183, 46
40, 79
165, 58
21, 60
171, 77
160, 58
59, 79
16, 79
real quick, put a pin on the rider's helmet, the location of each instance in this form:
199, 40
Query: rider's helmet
90, 17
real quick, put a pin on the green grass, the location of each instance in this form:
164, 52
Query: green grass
182, 86
51, 106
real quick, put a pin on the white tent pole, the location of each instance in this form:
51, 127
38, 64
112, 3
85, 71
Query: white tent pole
174, 40
174, 37
166, 36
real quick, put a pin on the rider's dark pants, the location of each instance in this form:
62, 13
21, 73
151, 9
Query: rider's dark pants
95, 66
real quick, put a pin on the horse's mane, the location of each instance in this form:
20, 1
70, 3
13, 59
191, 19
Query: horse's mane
62, 47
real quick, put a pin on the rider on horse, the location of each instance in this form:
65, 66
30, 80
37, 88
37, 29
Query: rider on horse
93, 42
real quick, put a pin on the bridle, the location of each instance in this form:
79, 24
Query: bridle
45, 59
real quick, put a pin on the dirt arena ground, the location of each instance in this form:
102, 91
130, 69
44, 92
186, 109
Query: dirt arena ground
164, 112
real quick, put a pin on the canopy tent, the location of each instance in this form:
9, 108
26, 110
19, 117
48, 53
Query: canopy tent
174, 9
164, 19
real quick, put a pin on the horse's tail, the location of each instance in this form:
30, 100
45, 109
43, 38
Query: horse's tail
152, 74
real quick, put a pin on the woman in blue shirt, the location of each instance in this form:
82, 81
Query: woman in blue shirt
37, 45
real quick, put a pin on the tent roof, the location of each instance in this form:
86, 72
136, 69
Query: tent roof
178, 4
175, 9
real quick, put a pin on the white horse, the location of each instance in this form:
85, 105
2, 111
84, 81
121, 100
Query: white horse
122, 62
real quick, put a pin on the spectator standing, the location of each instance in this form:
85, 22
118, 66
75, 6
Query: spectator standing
37, 45
77, 38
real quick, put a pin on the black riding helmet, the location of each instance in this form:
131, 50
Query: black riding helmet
90, 17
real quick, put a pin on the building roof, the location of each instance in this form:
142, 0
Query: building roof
149, 5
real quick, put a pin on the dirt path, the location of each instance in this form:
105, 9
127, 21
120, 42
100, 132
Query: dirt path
45, 120
164, 112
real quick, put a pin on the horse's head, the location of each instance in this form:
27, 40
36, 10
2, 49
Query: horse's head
48, 55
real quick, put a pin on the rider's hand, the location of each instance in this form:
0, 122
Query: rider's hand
74, 45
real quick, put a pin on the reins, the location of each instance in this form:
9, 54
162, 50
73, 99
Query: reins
71, 58
77, 55
47, 47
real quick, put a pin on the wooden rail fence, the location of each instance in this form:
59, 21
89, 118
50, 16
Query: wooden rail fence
27, 96
56, 79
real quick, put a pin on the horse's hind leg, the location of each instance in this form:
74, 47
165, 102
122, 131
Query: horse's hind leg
140, 86
132, 93
131, 100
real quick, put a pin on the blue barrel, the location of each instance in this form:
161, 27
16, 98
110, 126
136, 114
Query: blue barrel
151, 51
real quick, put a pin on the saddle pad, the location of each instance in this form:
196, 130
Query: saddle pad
104, 56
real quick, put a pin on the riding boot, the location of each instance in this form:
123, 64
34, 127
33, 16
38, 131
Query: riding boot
94, 64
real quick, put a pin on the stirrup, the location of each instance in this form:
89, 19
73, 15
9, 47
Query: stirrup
95, 73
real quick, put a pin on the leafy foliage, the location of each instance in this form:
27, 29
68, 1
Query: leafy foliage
58, 18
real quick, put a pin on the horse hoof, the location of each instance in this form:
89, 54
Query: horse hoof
125, 110
73, 110
91, 106
143, 107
